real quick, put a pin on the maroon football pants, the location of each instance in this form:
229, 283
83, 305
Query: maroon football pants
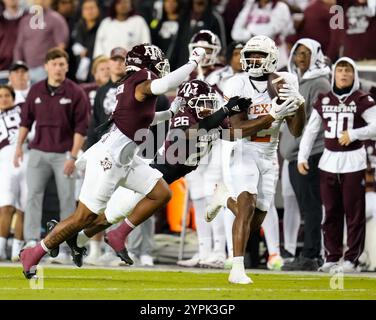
343, 195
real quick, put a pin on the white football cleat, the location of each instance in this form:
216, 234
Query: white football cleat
16, 248
219, 200
92, 259
109, 259
215, 260
239, 278
349, 267
146, 260
190, 263
275, 262
62, 258
328, 267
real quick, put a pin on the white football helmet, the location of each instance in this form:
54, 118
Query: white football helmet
260, 44
207, 40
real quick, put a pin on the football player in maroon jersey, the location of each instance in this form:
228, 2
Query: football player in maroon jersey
112, 161
348, 116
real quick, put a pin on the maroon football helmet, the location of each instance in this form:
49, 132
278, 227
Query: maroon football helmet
199, 96
210, 42
150, 57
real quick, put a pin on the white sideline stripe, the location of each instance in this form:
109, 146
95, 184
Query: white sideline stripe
249, 289
170, 268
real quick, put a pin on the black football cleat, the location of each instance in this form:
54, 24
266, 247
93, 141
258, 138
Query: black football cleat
77, 253
122, 254
50, 225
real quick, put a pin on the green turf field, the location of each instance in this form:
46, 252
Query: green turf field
68, 283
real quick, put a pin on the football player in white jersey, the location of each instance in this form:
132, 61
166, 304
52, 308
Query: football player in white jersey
254, 162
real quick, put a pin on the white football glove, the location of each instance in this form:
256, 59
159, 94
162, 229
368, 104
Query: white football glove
176, 105
289, 91
286, 109
198, 54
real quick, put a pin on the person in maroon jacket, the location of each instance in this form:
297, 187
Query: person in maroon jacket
60, 109
348, 116
112, 161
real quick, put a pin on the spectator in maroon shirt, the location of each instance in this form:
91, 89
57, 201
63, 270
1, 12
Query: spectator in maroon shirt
37, 34
60, 109
9, 21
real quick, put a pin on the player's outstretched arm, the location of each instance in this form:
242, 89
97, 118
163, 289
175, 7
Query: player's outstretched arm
172, 80
233, 107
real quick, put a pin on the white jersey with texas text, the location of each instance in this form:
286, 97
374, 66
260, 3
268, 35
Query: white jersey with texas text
266, 140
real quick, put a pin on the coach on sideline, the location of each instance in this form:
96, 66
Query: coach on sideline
60, 109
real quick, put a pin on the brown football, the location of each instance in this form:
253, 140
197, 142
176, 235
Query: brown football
275, 82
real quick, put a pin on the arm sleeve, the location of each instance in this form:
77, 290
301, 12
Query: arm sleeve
81, 114
161, 116
309, 136
173, 79
368, 131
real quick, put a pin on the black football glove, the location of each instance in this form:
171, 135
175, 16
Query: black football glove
244, 103
236, 105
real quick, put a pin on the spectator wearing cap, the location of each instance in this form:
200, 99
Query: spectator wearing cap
37, 36
123, 28
84, 34
9, 23
60, 109
19, 79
